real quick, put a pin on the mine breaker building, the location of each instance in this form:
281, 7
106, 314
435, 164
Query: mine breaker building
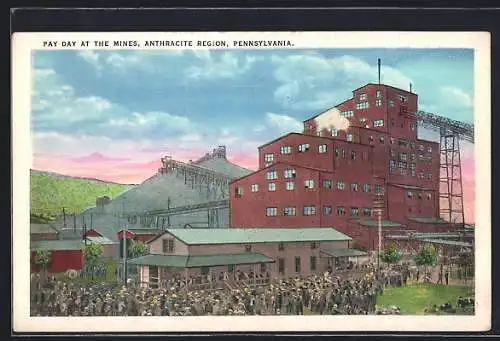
335, 178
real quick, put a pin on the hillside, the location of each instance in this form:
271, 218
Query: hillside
51, 192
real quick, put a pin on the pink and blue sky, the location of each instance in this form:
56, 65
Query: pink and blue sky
113, 114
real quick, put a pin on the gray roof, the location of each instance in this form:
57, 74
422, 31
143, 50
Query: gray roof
57, 245
428, 220
257, 235
42, 228
224, 166
374, 223
447, 242
101, 240
198, 261
344, 252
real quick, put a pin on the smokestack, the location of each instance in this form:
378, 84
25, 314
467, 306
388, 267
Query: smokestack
379, 71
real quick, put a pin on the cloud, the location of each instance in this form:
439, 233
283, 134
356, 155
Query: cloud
91, 57
283, 123
57, 107
455, 97
311, 81
224, 66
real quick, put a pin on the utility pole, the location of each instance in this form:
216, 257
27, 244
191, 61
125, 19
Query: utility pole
64, 217
124, 239
378, 206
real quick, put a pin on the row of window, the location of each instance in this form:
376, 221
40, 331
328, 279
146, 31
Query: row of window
348, 113
309, 184
411, 195
312, 264
311, 210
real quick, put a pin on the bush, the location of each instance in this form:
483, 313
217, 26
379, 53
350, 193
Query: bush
391, 255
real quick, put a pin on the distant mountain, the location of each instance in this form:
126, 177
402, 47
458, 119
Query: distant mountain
62, 176
50, 192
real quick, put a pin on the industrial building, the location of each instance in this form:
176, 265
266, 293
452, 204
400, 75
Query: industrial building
260, 252
331, 177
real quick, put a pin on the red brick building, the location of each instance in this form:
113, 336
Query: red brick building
328, 177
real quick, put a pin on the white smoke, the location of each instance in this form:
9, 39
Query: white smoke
331, 119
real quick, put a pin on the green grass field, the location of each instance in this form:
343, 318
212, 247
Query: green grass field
49, 194
414, 298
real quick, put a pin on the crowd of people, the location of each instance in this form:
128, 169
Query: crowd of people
315, 294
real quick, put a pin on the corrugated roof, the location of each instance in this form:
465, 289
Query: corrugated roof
198, 261
374, 223
101, 240
55, 245
447, 242
428, 220
336, 253
256, 235
142, 231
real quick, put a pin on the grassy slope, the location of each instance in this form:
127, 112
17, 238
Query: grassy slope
50, 193
414, 298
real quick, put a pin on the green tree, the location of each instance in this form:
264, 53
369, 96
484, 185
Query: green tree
391, 254
138, 248
42, 260
426, 256
92, 256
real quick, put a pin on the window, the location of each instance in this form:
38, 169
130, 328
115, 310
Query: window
168, 246
429, 176
318, 133
378, 188
412, 126
342, 152
393, 153
327, 210
429, 149
327, 183
230, 268
403, 156
322, 148
269, 157
313, 263
367, 212
349, 138
314, 246
402, 167
255, 187
271, 211
403, 98
248, 248
340, 185
348, 113
392, 166
303, 147
420, 196
378, 103
364, 156
309, 184
272, 187
421, 147
378, 123
382, 139
238, 192
290, 173
363, 97
340, 211
337, 152
367, 188
362, 105
272, 175
392, 140
286, 150
309, 210
297, 264
378, 94
263, 267
288, 211
413, 169
281, 266
204, 270
410, 194
391, 103
354, 211
290, 185
354, 186
281, 247
335, 132
413, 157
353, 155
429, 196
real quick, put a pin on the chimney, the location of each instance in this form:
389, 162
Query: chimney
410, 87
379, 71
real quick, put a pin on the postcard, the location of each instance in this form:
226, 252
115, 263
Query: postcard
251, 181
